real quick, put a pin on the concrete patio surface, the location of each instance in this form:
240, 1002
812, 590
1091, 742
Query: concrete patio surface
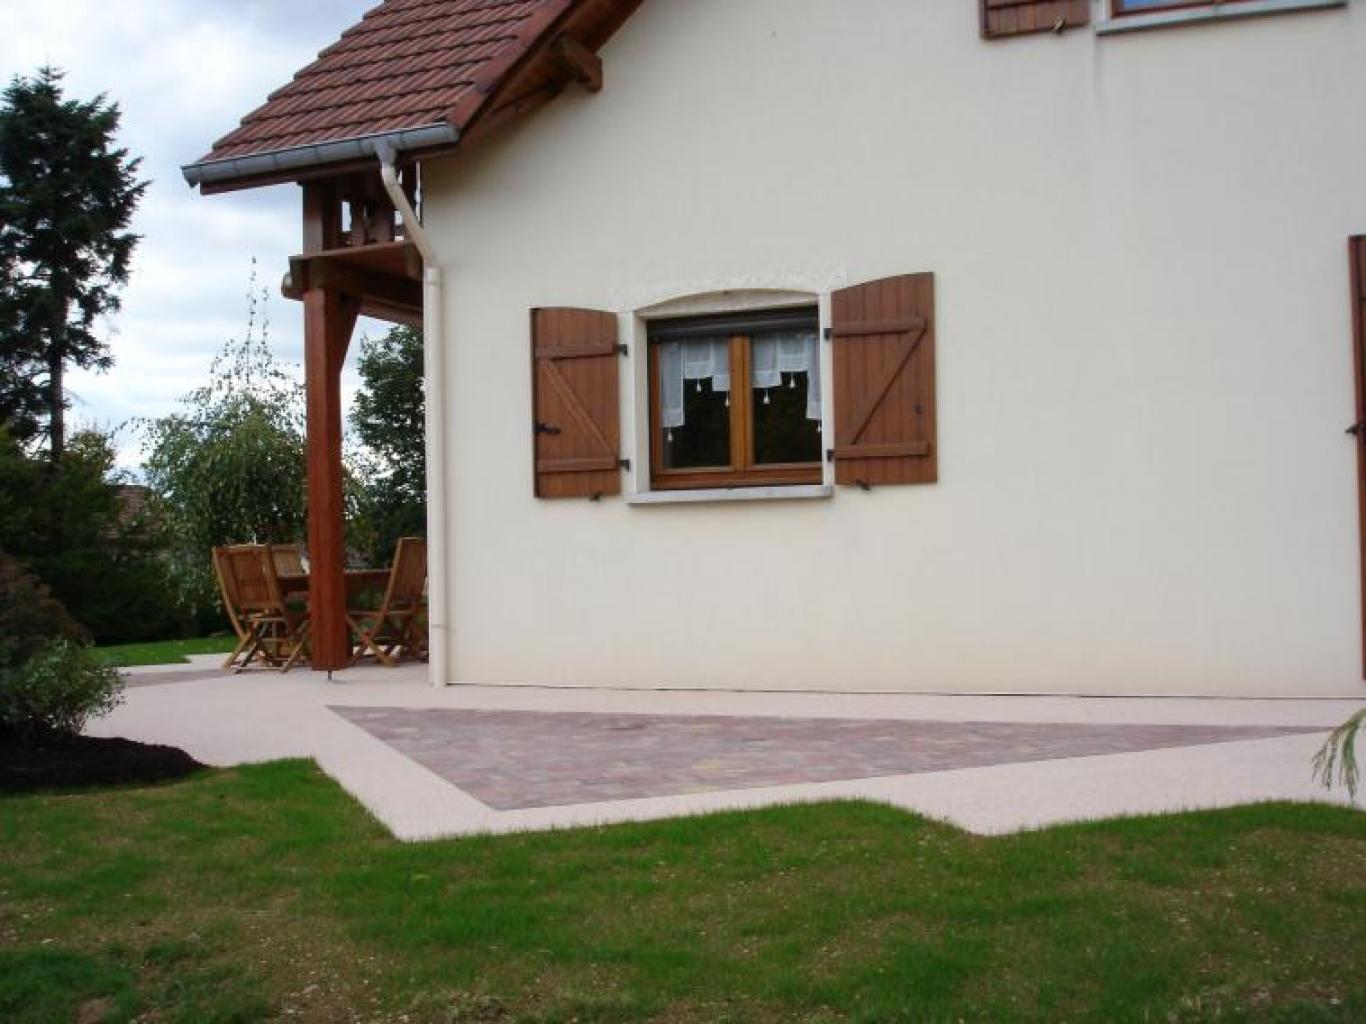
465, 759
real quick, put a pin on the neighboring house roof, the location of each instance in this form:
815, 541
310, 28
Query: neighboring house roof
132, 499
134, 508
422, 71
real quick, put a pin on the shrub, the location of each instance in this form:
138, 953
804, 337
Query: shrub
75, 525
30, 617
57, 690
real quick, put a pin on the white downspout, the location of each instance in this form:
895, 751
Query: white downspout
434, 382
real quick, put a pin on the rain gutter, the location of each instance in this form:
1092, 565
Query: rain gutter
300, 159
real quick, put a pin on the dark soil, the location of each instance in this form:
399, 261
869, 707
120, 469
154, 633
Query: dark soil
30, 763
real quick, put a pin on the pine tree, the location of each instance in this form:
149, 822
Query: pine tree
67, 195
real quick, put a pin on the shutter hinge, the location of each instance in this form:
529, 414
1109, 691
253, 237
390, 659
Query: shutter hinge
623, 350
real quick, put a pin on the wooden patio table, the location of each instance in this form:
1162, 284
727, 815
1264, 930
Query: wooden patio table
357, 581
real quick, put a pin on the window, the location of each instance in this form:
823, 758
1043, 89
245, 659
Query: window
1124, 14
1144, 6
735, 400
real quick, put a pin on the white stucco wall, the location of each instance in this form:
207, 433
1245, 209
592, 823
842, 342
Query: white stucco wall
1143, 347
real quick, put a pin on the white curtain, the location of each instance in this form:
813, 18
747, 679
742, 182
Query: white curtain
779, 352
680, 361
772, 354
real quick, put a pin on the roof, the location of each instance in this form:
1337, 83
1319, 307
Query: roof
428, 68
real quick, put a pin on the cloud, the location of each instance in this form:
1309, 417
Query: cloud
183, 72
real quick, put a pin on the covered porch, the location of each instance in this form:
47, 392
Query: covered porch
409, 83
359, 259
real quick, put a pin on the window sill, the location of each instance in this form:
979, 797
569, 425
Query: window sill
803, 492
1115, 24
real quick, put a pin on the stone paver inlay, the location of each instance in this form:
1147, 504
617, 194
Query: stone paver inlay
519, 759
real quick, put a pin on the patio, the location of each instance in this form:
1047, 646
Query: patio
468, 759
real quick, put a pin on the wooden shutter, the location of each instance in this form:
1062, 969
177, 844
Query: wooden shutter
576, 424
1002, 18
883, 336
1356, 259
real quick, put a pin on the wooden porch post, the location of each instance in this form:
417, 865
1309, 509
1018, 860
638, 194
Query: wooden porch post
329, 318
342, 273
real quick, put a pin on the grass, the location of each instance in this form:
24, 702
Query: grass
265, 893
164, 652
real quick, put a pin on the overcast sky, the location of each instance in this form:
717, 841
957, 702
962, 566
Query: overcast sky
184, 72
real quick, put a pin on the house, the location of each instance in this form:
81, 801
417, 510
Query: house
880, 345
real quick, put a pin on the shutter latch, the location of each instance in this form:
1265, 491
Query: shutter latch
547, 428
1356, 429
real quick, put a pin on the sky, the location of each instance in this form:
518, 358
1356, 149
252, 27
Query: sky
183, 72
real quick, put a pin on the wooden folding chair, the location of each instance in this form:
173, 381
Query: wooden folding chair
277, 634
289, 559
227, 589
393, 625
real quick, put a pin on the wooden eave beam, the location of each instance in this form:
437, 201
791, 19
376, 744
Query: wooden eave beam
385, 296
517, 86
403, 316
579, 61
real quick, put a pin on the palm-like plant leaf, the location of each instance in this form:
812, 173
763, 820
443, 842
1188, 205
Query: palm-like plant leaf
1338, 756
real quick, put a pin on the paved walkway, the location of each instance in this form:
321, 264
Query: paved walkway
476, 758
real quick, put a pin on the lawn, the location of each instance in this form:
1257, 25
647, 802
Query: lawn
164, 652
265, 892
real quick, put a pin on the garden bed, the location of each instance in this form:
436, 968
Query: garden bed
50, 761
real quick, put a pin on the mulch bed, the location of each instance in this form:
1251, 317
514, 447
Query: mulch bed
28, 764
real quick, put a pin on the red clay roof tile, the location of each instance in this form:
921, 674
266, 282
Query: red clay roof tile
407, 64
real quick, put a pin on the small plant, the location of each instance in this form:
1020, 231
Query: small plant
57, 690
1337, 758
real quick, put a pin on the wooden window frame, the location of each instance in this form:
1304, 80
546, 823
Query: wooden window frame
1119, 12
743, 471
1119, 8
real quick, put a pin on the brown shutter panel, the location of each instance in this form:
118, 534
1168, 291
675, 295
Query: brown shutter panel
1019, 17
577, 427
1356, 259
883, 336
